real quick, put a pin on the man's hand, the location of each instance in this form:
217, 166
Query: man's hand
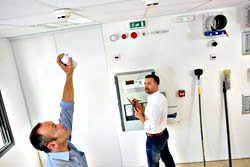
68, 69
137, 105
68, 92
139, 115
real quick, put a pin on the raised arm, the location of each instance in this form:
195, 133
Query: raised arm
68, 92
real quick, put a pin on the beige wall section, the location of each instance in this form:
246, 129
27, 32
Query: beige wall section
22, 154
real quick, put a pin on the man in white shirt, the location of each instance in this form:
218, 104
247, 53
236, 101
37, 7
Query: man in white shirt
154, 118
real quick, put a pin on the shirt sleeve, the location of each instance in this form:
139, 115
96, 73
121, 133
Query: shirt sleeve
153, 118
66, 115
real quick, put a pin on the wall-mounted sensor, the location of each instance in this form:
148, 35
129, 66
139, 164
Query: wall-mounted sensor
212, 43
117, 56
212, 57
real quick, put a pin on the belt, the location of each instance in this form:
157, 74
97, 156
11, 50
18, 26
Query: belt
156, 134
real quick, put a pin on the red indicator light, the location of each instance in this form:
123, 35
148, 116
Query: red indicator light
133, 35
124, 36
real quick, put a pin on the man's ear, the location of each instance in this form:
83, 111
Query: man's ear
52, 145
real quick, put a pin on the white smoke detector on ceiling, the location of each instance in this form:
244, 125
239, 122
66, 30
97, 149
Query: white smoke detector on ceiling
63, 13
70, 15
151, 2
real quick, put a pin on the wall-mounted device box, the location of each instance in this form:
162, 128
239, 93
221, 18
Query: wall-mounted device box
214, 24
130, 85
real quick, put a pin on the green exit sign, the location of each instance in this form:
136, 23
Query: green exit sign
137, 24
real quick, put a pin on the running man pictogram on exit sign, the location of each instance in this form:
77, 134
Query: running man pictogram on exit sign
137, 24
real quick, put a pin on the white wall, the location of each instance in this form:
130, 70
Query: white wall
43, 80
174, 55
22, 153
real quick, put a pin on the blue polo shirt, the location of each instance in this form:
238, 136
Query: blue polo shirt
73, 157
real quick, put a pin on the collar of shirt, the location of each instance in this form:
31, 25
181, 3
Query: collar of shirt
152, 95
59, 155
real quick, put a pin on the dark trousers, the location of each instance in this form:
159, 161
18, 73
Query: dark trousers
157, 147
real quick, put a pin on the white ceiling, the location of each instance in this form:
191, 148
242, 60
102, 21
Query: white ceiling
23, 17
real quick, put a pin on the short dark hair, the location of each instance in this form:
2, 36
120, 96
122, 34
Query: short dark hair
155, 77
39, 141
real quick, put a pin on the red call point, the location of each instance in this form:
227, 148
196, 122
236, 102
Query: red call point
181, 93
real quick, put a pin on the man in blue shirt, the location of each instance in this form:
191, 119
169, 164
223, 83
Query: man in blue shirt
55, 139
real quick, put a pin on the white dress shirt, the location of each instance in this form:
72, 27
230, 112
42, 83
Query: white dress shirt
156, 113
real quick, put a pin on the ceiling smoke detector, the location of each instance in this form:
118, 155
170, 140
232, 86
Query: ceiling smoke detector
63, 13
70, 15
151, 2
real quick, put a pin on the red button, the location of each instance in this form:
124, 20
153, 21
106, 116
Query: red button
133, 35
124, 36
